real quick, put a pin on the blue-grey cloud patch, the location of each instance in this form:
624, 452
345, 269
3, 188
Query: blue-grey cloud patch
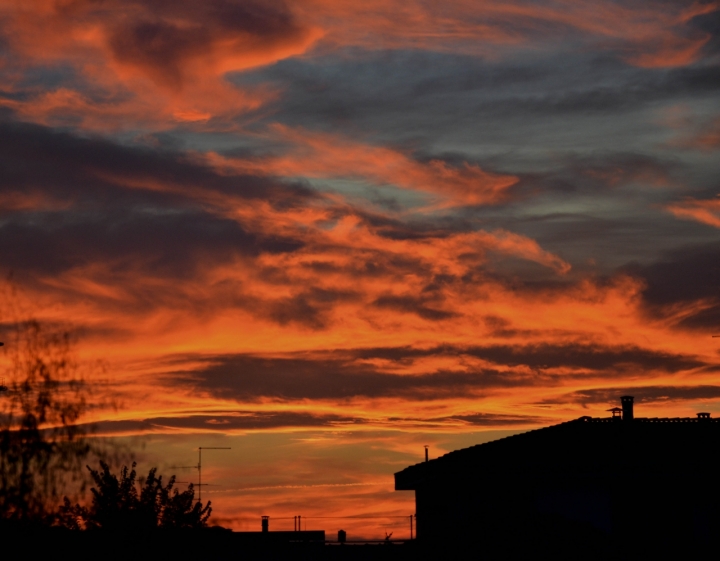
419, 97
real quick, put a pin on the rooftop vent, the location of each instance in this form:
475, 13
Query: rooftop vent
627, 407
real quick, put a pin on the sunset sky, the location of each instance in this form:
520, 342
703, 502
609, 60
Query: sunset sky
326, 233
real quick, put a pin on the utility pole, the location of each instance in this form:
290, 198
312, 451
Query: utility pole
199, 466
411, 526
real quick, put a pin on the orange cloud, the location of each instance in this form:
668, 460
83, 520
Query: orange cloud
703, 211
147, 64
651, 36
320, 155
670, 52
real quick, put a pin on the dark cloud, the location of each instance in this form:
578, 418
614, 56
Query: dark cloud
687, 275
683, 277
224, 421
159, 46
247, 378
547, 355
590, 357
161, 244
236, 420
83, 207
161, 37
85, 170
490, 420
413, 305
708, 24
349, 374
599, 172
309, 308
647, 394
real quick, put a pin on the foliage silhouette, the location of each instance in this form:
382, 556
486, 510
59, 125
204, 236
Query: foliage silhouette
42, 445
117, 504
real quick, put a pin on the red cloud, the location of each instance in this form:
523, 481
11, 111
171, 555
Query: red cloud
148, 63
705, 212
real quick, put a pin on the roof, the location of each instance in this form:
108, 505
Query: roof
579, 447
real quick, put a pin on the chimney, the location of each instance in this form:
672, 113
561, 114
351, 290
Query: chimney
627, 407
426, 452
265, 523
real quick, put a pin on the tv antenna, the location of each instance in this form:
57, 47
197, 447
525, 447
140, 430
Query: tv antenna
199, 466
183, 467
191, 483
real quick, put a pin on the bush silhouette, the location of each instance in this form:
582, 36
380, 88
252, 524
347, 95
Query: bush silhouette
117, 504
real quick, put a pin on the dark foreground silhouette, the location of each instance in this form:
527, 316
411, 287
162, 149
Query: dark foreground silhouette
617, 487
621, 487
216, 544
117, 505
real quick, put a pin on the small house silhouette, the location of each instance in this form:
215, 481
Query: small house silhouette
637, 482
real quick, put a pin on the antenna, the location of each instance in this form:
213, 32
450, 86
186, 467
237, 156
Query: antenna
182, 467
199, 466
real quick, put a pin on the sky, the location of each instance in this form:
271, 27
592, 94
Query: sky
327, 233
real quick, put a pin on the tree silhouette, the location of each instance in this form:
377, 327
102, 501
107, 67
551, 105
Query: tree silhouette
42, 445
117, 504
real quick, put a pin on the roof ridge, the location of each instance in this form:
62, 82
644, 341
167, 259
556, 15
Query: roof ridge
504, 438
579, 420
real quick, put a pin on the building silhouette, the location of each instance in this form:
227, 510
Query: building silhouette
615, 485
